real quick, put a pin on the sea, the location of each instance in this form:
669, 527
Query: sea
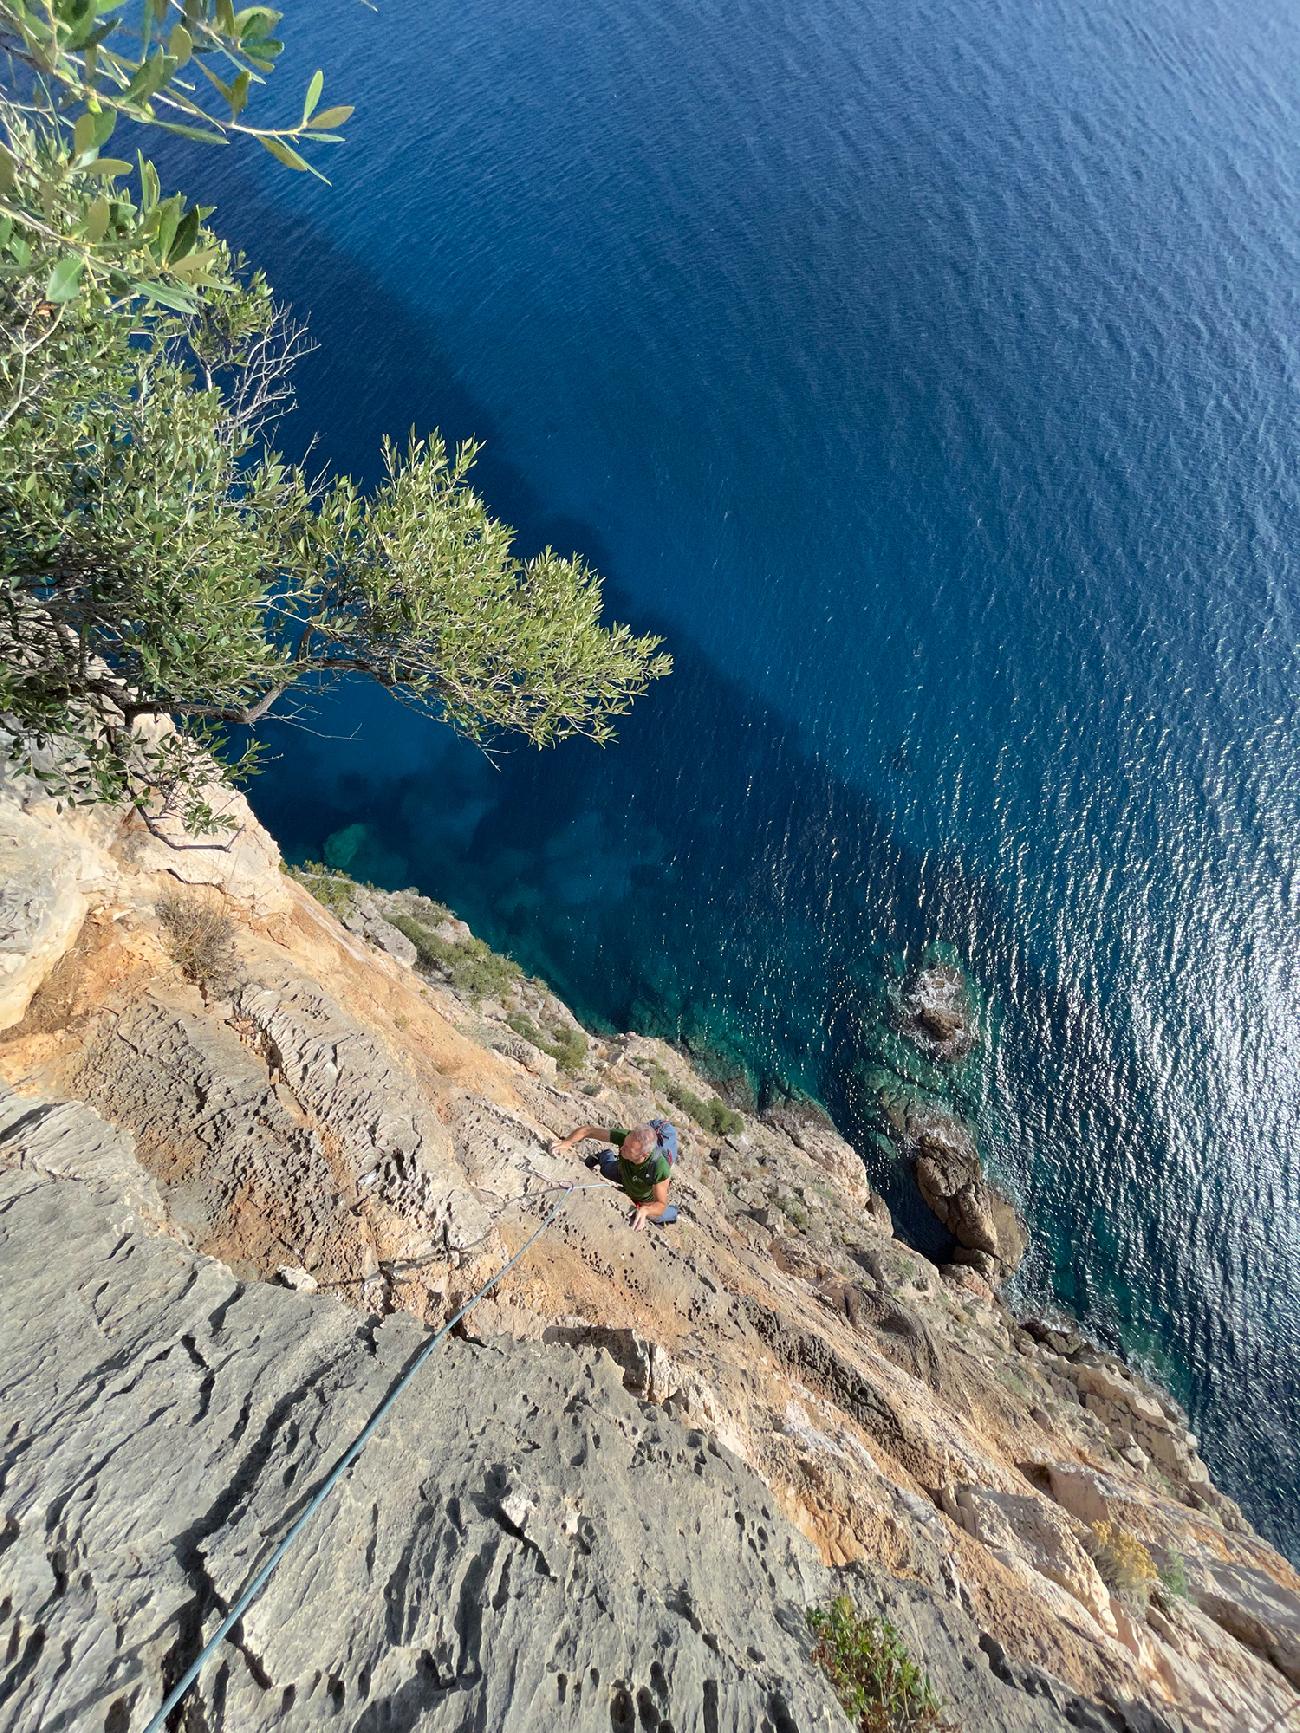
926, 374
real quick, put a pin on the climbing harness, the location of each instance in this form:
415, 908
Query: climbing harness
345, 1462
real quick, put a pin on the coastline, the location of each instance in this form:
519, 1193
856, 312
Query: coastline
366, 1113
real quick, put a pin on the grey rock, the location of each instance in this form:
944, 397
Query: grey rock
523, 1544
496, 1558
1251, 1607
43, 903
950, 1177
390, 939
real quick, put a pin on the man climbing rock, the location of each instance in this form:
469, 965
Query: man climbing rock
640, 1161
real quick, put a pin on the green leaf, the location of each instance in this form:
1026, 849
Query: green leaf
186, 235
8, 174
105, 121
64, 279
148, 79
97, 219
283, 153
255, 18
169, 217
193, 266
108, 167
239, 93
332, 116
313, 95
205, 135
212, 78
150, 191
83, 136
263, 51
180, 44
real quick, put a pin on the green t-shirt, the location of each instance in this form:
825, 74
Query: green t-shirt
639, 1182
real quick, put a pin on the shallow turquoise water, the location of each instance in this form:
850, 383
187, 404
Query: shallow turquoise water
928, 375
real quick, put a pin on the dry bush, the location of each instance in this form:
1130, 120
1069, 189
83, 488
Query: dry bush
200, 938
1123, 1562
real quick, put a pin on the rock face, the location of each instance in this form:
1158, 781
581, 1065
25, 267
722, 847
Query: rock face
950, 1177
488, 1561
228, 1216
525, 1544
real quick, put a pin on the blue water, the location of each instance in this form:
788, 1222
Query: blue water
927, 374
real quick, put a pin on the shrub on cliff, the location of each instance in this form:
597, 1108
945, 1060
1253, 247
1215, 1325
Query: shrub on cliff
470, 966
158, 556
714, 1115
334, 890
566, 1045
1123, 1562
880, 1687
200, 939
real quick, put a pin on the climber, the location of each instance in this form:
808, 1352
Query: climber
637, 1163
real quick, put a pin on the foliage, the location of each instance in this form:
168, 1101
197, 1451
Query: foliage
1123, 1562
158, 557
200, 938
1173, 1576
470, 967
880, 1687
714, 1115
565, 1044
794, 1212
659, 1078
81, 68
331, 888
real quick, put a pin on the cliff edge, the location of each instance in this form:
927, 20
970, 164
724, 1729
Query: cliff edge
235, 1193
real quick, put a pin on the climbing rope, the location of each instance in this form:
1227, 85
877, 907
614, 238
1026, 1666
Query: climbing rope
345, 1462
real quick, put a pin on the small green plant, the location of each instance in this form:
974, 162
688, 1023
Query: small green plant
1173, 1576
880, 1687
659, 1078
200, 939
714, 1115
472, 968
568, 1047
331, 888
793, 1211
1123, 1562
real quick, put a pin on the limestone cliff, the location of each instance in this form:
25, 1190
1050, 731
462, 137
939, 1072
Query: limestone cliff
610, 1502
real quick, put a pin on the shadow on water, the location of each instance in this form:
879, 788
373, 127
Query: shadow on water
711, 878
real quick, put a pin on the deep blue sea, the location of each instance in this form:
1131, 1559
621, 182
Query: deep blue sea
927, 374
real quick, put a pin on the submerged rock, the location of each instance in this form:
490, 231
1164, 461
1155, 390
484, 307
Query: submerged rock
937, 1012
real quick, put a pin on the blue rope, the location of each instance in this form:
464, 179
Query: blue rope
340, 1468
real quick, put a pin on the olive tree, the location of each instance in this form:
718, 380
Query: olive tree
78, 68
158, 556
